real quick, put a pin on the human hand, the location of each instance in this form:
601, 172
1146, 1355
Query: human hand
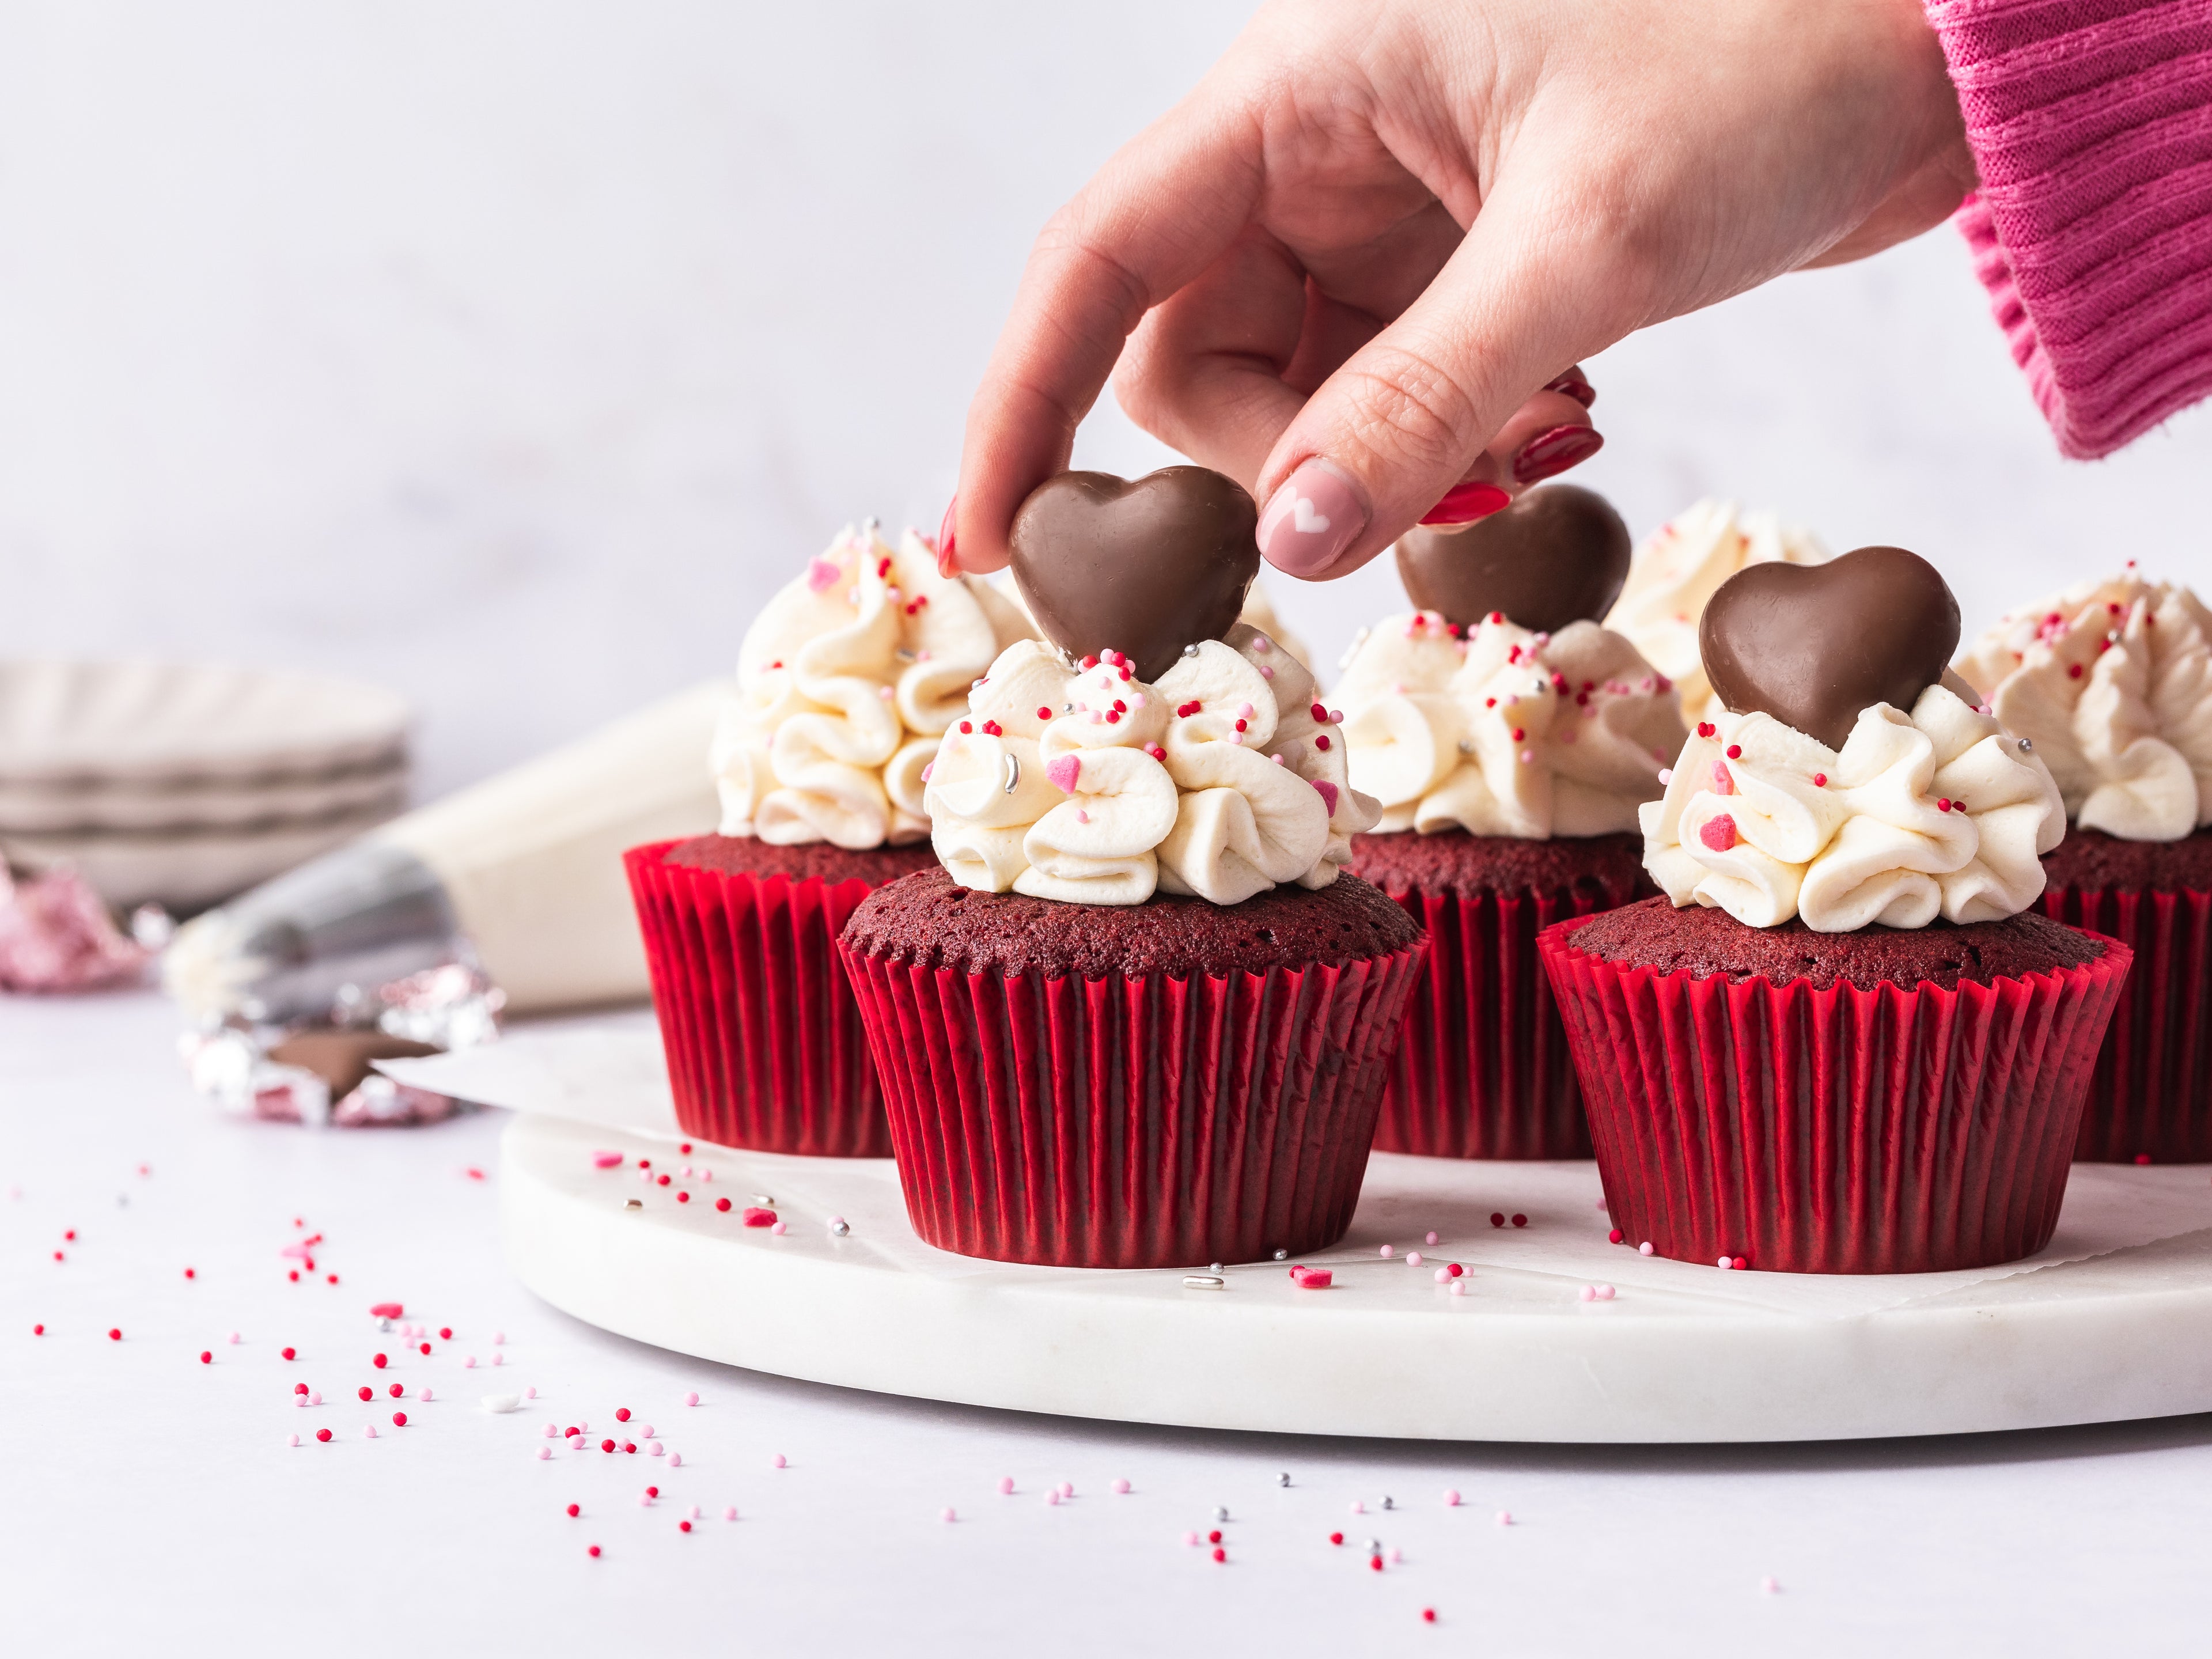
1351, 268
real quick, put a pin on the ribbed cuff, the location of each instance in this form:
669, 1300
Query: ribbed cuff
2091, 121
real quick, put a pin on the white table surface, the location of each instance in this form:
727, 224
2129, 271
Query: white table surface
150, 1502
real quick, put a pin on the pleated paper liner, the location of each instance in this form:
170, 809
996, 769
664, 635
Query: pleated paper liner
1132, 1122
2150, 1097
1843, 1130
765, 1048
1483, 1070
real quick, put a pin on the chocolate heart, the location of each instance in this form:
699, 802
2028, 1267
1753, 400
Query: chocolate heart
1557, 556
1143, 568
1814, 644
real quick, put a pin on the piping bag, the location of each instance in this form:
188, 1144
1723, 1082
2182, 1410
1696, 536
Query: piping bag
518, 879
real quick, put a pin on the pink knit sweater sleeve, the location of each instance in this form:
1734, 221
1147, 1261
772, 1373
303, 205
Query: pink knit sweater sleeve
2091, 123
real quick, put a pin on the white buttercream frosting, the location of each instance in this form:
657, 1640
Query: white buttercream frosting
2112, 680
1674, 573
1505, 732
1939, 812
845, 684
1085, 784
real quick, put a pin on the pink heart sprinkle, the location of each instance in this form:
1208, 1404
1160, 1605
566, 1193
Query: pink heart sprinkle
821, 573
1063, 772
1718, 832
1327, 794
606, 1160
1722, 783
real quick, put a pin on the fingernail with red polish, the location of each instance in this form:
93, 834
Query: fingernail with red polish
1553, 452
947, 548
1574, 384
1463, 503
1313, 516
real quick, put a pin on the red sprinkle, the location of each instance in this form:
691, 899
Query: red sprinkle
1336, 1538
385, 1310
367, 1392
575, 1510
622, 1414
681, 1198
114, 1335
399, 1419
663, 1181
322, 1434
653, 1491
397, 1390
1736, 751
379, 1362
206, 1358
1044, 713
445, 1334
294, 1275
1520, 1220
1453, 1269
1497, 1218
1220, 1554
1428, 1616
723, 1205
38, 1330
1819, 780
1375, 1562
968, 726
594, 1551
299, 1388
684, 1147
630, 1446
426, 1347
683, 1526
606, 1445
1319, 714
1518, 734
289, 1354
1614, 1236
1213, 1538
1321, 742
189, 1273
2074, 672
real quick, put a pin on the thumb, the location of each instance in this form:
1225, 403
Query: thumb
1475, 361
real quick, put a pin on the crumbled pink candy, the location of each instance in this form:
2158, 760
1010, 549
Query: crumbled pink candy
56, 935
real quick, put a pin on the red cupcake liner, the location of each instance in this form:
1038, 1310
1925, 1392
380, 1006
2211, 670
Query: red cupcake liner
1838, 1131
1132, 1122
2150, 1097
1483, 1070
765, 1048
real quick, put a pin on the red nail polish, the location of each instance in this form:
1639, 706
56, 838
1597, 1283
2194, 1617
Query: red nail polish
1576, 385
1463, 503
1553, 452
947, 547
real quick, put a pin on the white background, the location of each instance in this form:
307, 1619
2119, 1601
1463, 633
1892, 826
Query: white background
510, 356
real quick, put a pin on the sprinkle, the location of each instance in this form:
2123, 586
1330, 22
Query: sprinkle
1520, 1220
691, 1398
1505, 1517
1320, 741
1118, 1486
1588, 1293
1451, 1497
1819, 780
1312, 1278
594, 1551
1006, 1485
1644, 1249
1736, 751
756, 1216
1390, 1249
675, 1459
722, 1204
1497, 1218
776, 1461
1044, 713
1718, 832
1605, 1293
322, 1434
1413, 1258
2074, 672
945, 1513
1943, 805
206, 1357
1430, 1239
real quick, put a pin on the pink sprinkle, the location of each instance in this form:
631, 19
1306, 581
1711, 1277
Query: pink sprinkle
1358, 1507
314, 1396
1119, 1487
675, 1459
1771, 1585
1413, 1258
730, 1512
291, 1439
691, 1398
1390, 1249
821, 574
1458, 1287
606, 1160
1605, 1293
1190, 1538
1505, 1517
946, 1514
654, 1448
646, 1432
756, 1217
1644, 1249
544, 1453
530, 1393
498, 1337
424, 1395
499, 1359
1052, 1497
1082, 817
369, 1433
1451, 1497
1588, 1293
1430, 1239
1443, 1275
552, 1431
1064, 773
1312, 1278
776, 1461
691, 1514
468, 1362
1725, 1261
1067, 1489
1328, 792
1006, 1485
777, 1228
1722, 783
645, 1500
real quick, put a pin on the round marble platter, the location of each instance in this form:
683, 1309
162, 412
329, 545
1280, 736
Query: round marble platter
2113, 1322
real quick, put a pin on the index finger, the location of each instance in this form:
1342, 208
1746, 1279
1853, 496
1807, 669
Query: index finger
1157, 215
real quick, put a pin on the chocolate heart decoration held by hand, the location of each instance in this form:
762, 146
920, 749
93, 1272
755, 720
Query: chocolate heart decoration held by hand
1558, 555
1812, 645
1145, 568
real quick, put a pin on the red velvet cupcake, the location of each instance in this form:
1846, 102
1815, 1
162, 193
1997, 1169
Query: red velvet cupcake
2112, 681
844, 683
1837, 1044
1510, 740
1139, 1020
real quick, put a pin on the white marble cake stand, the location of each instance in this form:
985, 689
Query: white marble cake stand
2114, 1321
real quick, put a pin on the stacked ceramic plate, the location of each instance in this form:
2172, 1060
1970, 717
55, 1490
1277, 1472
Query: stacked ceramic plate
184, 785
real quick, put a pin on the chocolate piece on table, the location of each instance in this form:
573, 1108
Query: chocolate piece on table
1813, 644
1558, 555
1144, 568
341, 1058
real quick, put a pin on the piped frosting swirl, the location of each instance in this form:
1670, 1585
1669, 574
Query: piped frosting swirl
1084, 783
2112, 680
845, 681
1938, 812
1502, 732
